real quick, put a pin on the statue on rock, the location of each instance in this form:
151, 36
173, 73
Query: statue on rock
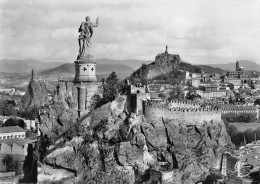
86, 32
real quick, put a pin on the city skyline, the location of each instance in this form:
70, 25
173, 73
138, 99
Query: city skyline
201, 32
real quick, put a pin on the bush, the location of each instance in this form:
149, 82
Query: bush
241, 117
96, 101
15, 122
110, 90
12, 165
8, 161
238, 138
17, 167
31, 113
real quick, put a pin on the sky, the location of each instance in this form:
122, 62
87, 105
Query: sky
200, 31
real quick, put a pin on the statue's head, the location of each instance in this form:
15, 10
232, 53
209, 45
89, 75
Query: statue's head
87, 18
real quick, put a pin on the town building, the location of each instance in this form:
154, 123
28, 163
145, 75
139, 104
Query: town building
15, 146
12, 132
240, 74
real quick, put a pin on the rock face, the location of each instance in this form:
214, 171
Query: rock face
36, 95
58, 116
163, 64
118, 147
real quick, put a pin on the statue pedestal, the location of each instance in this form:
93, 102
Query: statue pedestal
85, 69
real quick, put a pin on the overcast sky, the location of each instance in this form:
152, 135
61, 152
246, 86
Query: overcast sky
200, 31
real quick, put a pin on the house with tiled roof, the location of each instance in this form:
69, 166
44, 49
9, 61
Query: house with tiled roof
12, 132
15, 146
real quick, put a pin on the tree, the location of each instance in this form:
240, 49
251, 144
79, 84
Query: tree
257, 102
110, 90
177, 93
15, 122
30, 166
8, 161
96, 101
161, 95
191, 95
12, 165
17, 167
31, 113
231, 86
7, 108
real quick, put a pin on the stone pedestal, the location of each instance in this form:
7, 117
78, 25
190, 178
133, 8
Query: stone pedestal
85, 69
85, 76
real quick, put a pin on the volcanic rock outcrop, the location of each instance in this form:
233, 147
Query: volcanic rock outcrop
36, 95
113, 146
58, 116
163, 64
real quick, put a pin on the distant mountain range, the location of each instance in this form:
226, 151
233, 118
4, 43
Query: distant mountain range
248, 65
25, 66
212, 70
105, 66
133, 63
103, 70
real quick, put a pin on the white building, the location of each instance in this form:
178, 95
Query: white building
12, 132
15, 146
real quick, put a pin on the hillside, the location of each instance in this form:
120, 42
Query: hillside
133, 63
10, 66
25, 66
103, 70
211, 70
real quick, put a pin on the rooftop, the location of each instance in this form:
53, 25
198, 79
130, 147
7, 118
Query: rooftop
20, 142
10, 129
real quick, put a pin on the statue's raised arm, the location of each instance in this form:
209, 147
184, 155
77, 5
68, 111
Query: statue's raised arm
86, 32
97, 23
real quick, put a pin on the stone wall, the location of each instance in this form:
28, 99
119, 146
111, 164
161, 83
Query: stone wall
236, 110
190, 116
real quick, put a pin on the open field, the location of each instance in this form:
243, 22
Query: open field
244, 126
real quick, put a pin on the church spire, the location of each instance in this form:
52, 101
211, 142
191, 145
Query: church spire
32, 77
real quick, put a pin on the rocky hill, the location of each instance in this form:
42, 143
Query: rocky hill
36, 95
164, 63
110, 145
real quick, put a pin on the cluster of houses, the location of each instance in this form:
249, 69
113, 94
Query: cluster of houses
235, 85
12, 91
14, 142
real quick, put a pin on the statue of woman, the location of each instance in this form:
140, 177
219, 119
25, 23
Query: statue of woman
86, 32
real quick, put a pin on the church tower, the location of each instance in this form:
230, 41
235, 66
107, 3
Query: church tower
237, 66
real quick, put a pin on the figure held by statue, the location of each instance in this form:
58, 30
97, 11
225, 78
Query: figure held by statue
86, 32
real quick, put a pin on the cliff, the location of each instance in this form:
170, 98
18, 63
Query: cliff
58, 116
113, 146
36, 95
